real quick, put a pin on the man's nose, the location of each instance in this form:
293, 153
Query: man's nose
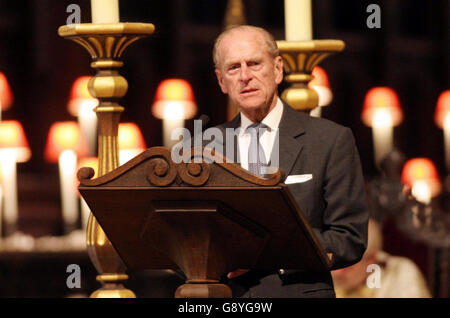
245, 74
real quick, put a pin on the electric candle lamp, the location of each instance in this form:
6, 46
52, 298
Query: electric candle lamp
64, 144
421, 176
321, 85
131, 142
442, 119
382, 112
174, 102
298, 20
13, 148
81, 105
91, 162
6, 96
1, 207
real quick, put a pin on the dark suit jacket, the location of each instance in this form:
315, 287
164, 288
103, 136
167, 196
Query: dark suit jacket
334, 201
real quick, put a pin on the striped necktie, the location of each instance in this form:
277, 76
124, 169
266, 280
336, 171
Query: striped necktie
256, 157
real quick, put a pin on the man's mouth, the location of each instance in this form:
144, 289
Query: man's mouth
248, 91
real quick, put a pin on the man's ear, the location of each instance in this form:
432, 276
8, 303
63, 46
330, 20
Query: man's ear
278, 69
220, 80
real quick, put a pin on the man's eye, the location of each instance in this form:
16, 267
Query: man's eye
253, 63
233, 68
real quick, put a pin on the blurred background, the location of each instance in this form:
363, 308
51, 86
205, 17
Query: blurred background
410, 54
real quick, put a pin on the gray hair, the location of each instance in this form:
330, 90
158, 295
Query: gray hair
271, 44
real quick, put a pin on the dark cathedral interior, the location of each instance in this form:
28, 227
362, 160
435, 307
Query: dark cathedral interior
408, 53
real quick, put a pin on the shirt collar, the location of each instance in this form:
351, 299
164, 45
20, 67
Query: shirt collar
272, 120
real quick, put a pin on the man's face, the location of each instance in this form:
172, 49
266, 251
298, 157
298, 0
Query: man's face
247, 72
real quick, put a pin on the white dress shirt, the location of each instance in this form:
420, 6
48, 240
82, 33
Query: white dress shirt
272, 121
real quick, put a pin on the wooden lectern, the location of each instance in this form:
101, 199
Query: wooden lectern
205, 219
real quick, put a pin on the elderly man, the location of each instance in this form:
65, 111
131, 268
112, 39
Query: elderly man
249, 69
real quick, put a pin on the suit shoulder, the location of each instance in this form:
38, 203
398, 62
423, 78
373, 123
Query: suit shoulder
234, 123
312, 123
324, 125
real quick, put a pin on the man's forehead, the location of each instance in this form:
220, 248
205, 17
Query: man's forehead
241, 36
243, 45
234, 56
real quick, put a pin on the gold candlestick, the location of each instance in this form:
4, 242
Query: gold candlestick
300, 57
106, 43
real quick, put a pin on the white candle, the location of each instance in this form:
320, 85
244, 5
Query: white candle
298, 20
168, 127
105, 11
383, 134
126, 155
421, 191
87, 119
9, 173
316, 112
383, 142
173, 118
67, 174
85, 211
446, 127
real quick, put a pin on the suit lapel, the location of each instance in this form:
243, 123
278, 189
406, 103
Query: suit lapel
292, 126
290, 144
231, 138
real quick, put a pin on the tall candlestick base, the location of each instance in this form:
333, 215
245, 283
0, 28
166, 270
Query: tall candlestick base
300, 57
106, 43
